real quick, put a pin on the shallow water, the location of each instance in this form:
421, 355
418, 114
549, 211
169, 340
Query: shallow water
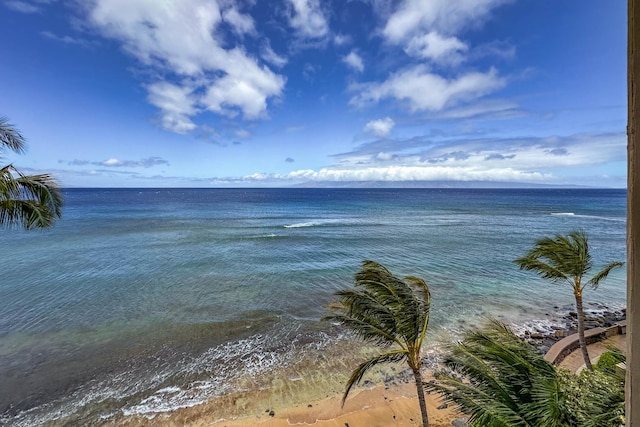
140, 301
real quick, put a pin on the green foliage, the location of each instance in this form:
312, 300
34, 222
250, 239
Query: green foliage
27, 201
388, 311
608, 360
501, 381
567, 259
564, 259
596, 398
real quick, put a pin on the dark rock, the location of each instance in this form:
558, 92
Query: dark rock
443, 406
272, 413
459, 422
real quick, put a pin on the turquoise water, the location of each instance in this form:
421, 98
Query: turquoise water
138, 293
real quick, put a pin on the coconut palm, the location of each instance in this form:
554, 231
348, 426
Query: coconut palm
27, 201
567, 259
500, 381
390, 312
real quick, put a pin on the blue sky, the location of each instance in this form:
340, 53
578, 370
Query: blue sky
146, 93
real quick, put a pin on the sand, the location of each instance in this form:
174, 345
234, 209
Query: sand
383, 406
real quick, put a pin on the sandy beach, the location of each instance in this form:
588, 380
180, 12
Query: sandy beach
376, 406
316, 401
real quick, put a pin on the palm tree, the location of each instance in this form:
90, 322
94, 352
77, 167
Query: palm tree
567, 259
390, 312
27, 201
501, 381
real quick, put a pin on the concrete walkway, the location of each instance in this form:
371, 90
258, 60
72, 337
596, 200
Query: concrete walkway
574, 361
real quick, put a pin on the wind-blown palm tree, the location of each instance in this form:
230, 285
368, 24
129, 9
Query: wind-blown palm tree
390, 312
27, 201
567, 259
501, 381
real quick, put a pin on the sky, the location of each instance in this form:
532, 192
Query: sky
272, 93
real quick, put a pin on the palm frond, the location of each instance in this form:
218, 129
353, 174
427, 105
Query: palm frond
499, 380
531, 263
386, 310
602, 274
358, 373
29, 201
10, 137
365, 330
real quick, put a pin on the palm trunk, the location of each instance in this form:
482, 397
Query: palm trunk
423, 404
583, 342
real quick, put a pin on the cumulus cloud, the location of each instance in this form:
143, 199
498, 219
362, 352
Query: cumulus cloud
354, 61
176, 102
437, 48
426, 91
341, 39
179, 41
517, 160
307, 18
526, 154
380, 127
445, 16
241, 23
404, 173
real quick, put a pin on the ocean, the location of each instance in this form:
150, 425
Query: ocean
141, 301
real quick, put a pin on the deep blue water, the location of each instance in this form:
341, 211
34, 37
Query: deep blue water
159, 287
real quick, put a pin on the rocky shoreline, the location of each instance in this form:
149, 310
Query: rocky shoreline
596, 315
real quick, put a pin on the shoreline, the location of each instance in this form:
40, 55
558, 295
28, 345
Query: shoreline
380, 405
311, 383
386, 398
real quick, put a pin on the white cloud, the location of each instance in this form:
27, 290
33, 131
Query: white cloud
177, 104
271, 57
425, 91
445, 16
354, 61
307, 18
242, 133
143, 163
241, 23
341, 39
507, 160
247, 88
405, 173
380, 127
435, 47
178, 37
111, 162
